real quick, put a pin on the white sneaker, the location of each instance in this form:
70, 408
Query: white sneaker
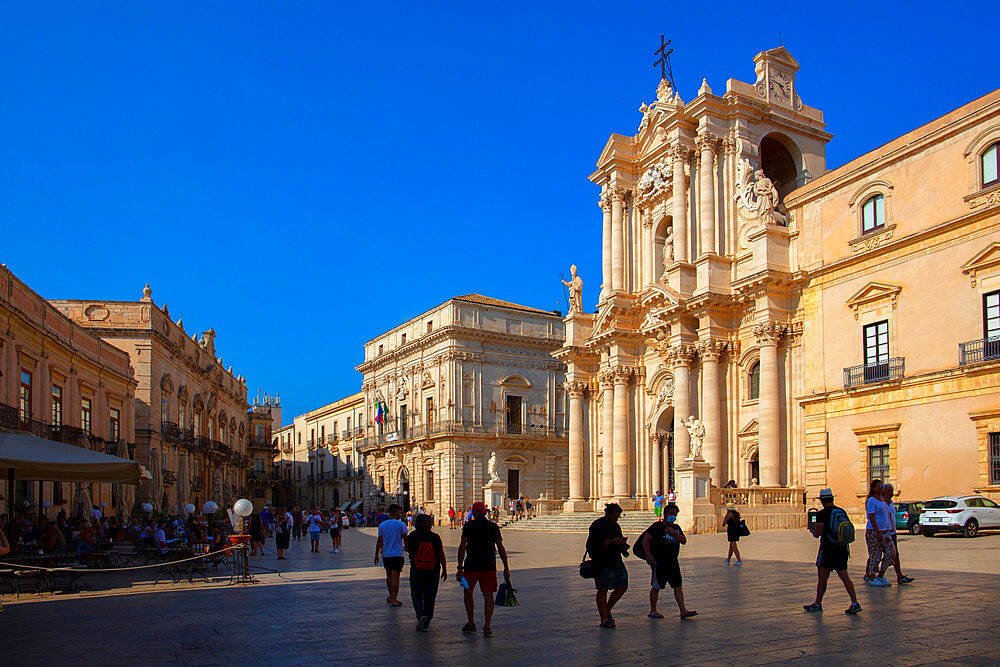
739, 562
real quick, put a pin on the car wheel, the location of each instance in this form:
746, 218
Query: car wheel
971, 528
928, 533
914, 528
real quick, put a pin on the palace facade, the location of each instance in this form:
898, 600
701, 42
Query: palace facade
191, 424
61, 382
756, 301
334, 467
445, 390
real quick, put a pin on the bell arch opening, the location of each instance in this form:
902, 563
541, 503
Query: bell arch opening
780, 159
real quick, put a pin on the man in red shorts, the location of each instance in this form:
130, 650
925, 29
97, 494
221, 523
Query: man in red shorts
481, 542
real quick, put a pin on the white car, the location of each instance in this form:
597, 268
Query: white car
959, 514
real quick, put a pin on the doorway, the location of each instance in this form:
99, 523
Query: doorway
754, 469
404, 490
513, 483
513, 414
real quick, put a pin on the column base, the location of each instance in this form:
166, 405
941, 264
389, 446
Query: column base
571, 506
627, 503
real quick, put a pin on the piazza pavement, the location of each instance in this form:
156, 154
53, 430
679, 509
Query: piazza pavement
331, 608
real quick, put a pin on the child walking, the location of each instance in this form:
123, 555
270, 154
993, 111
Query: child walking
427, 564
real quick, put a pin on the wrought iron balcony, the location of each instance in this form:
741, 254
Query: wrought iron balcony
170, 431
346, 434
858, 376
169, 477
331, 439
978, 351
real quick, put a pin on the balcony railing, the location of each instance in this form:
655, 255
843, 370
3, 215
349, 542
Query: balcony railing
8, 416
169, 477
170, 431
488, 428
858, 376
359, 431
978, 351
331, 439
311, 445
346, 434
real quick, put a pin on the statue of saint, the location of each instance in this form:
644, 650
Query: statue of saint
492, 468
668, 250
764, 191
575, 286
696, 429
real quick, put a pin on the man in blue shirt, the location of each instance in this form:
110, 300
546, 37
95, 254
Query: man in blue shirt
390, 544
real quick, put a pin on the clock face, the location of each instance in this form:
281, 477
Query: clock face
779, 90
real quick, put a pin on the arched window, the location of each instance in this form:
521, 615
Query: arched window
753, 381
873, 213
990, 163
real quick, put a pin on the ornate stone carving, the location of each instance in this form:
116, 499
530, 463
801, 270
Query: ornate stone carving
96, 313
756, 196
706, 140
681, 355
607, 379
769, 333
665, 92
696, 429
622, 374
655, 182
605, 202
664, 397
866, 243
711, 350
983, 200
617, 193
575, 389
575, 287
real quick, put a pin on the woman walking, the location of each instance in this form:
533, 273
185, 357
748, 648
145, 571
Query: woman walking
877, 535
282, 535
732, 524
336, 524
256, 535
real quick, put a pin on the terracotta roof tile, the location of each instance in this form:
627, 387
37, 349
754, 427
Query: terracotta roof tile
490, 301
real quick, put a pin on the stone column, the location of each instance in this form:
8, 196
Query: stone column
621, 414
656, 460
681, 357
617, 239
767, 335
605, 203
706, 208
710, 351
648, 255
607, 437
575, 392
681, 243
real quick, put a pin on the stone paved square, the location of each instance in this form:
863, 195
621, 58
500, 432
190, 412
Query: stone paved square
331, 608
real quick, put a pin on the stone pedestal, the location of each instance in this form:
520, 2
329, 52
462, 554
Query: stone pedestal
694, 496
493, 493
571, 506
681, 277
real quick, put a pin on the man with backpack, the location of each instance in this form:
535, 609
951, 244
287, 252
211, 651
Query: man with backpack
835, 532
427, 563
660, 545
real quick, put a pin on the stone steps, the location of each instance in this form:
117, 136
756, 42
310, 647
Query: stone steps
632, 523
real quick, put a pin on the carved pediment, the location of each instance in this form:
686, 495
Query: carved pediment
873, 292
985, 259
750, 430
166, 383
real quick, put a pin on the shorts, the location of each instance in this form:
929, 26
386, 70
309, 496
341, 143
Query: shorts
658, 511
314, 535
666, 572
335, 532
611, 578
832, 559
392, 563
487, 580
895, 543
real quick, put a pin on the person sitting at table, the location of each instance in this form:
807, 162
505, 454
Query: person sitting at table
160, 538
52, 540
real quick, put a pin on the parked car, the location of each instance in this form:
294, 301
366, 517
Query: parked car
908, 516
959, 514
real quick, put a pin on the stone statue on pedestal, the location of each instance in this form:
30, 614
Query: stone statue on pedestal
492, 467
575, 286
696, 429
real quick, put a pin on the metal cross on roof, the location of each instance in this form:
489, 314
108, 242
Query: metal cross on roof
664, 62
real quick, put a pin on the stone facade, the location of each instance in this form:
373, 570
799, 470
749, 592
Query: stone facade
738, 281
901, 313
190, 411
63, 383
262, 480
698, 313
445, 390
335, 468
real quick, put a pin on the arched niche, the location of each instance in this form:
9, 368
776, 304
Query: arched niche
781, 160
664, 227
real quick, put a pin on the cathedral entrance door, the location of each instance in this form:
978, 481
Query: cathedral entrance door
513, 483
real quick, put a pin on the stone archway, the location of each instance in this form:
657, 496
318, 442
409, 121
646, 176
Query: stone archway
403, 488
663, 440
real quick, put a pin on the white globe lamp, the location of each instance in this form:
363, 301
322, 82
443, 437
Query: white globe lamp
243, 507
189, 508
211, 507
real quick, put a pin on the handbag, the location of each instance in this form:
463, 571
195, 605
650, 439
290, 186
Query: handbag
506, 596
744, 531
588, 568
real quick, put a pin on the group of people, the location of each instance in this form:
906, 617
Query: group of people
480, 544
284, 524
460, 518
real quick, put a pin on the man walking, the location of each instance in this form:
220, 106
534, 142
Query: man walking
662, 546
481, 542
833, 554
427, 565
887, 493
451, 518
391, 534
606, 544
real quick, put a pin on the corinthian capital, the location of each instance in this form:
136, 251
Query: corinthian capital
711, 350
706, 140
575, 389
607, 379
605, 202
681, 355
617, 193
769, 333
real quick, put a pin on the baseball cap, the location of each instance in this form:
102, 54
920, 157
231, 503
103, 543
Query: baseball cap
479, 507
825, 493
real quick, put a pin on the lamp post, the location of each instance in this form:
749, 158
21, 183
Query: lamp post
242, 508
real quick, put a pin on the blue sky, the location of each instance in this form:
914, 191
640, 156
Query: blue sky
303, 176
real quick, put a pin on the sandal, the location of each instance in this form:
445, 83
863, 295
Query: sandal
397, 603
689, 614
469, 628
610, 623
487, 632
654, 614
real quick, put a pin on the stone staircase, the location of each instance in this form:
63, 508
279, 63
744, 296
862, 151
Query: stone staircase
632, 523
